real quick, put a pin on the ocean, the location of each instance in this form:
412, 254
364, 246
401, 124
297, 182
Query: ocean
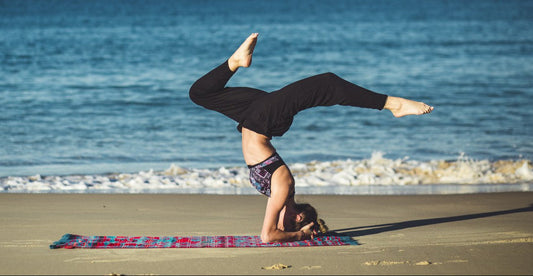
94, 94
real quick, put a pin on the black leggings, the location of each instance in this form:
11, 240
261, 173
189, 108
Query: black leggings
271, 114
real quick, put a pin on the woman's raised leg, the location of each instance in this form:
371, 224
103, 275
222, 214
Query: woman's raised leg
215, 80
329, 89
210, 90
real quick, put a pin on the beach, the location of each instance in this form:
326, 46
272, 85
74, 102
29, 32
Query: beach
489, 233
99, 136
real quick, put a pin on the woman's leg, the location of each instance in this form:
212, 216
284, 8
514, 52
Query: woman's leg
210, 90
329, 89
210, 84
320, 90
215, 81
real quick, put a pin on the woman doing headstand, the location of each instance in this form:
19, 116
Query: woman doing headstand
262, 115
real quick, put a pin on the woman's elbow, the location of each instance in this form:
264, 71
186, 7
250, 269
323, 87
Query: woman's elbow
266, 237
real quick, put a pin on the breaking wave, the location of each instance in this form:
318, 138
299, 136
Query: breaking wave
331, 177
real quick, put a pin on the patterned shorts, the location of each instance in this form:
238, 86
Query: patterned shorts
261, 174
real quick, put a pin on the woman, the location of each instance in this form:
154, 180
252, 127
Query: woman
262, 115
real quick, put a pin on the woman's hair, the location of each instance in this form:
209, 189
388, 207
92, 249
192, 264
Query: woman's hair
309, 215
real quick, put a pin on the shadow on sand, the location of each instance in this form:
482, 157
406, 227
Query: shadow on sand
380, 228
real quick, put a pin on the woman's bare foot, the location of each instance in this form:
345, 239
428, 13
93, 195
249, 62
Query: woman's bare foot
243, 55
402, 107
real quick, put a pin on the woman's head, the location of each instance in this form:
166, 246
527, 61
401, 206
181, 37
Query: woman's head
307, 214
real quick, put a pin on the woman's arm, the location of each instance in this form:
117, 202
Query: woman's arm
281, 184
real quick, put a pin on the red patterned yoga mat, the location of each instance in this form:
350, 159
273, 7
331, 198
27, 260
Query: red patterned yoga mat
100, 242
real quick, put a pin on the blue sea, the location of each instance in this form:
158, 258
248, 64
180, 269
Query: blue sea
92, 88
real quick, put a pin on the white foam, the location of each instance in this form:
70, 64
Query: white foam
342, 176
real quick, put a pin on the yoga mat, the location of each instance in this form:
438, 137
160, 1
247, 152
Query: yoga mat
71, 241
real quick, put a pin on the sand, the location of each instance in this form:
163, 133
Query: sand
441, 234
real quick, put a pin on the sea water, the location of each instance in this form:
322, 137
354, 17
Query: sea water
94, 94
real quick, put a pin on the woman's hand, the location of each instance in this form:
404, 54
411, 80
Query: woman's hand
308, 232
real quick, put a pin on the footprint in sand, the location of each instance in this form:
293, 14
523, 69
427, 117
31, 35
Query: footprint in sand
311, 267
387, 263
276, 267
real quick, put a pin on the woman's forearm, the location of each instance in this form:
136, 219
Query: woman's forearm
282, 236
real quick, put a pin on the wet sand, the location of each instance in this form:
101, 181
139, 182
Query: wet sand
427, 234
